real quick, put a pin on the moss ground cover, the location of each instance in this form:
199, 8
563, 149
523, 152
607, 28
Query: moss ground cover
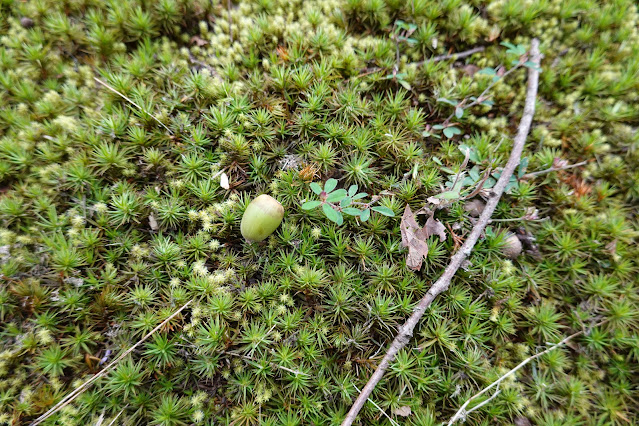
119, 119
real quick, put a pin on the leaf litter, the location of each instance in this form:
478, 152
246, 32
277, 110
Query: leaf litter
415, 237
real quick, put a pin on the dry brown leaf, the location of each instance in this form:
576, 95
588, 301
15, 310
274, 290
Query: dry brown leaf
414, 237
403, 411
198, 41
435, 227
434, 201
282, 52
493, 34
522, 421
470, 69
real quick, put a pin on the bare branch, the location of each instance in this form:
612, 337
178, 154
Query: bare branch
456, 55
478, 406
116, 417
461, 413
271, 363
515, 219
228, 7
553, 169
393, 422
84, 386
133, 103
441, 285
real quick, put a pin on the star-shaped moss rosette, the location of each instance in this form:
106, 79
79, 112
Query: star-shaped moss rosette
339, 202
114, 116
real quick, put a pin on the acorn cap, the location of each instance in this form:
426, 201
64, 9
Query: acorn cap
27, 22
512, 246
261, 218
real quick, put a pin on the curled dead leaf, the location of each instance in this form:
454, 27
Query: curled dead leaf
413, 240
474, 207
434, 227
558, 163
434, 201
414, 237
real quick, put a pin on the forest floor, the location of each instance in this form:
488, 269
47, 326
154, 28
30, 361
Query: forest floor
135, 133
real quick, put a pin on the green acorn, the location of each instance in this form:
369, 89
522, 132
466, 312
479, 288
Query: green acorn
261, 218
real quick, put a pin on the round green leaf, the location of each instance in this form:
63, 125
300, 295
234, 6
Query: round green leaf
365, 215
316, 188
449, 132
332, 214
336, 196
330, 185
383, 210
448, 195
352, 211
309, 205
360, 195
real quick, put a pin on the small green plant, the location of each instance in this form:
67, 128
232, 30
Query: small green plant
467, 184
450, 128
337, 202
401, 33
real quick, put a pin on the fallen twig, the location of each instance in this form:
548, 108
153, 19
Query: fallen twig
456, 55
478, 406
84, 386
393, 422
480, 184
271, 363
228, 7
133, 103
515, 219
441, 285
116, 417
462, 412
553, 169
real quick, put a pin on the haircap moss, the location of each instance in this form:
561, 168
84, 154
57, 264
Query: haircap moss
109, 220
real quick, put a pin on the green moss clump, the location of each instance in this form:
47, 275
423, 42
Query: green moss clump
112, 214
